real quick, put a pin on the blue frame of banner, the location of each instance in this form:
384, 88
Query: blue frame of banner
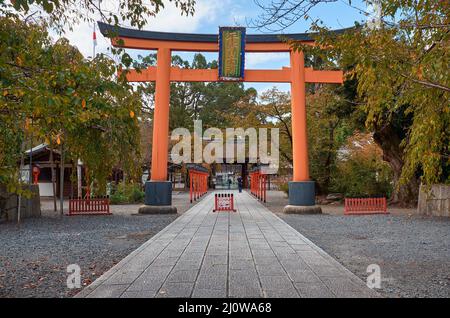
242, 54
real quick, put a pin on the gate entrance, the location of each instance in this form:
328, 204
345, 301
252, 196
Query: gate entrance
158, 191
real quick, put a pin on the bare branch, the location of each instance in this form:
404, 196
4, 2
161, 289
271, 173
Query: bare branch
280, 14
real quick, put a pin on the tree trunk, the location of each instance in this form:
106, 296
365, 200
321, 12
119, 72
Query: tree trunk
61, 182
52, 163
329, 160
388, 139
19, 204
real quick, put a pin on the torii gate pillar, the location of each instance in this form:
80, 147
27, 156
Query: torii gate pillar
158, 191
301, 188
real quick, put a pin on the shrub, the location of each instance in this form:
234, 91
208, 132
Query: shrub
118, 198
362, 178
284, 187
362, 171
127, 193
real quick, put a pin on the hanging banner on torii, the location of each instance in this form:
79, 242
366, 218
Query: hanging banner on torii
231, 53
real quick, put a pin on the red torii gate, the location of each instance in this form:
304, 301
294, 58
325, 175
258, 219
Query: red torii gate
158, 190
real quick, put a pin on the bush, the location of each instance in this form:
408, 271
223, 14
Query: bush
284, 187
362, 173
127, 193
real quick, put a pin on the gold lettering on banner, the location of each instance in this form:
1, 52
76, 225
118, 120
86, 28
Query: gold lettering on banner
231, 50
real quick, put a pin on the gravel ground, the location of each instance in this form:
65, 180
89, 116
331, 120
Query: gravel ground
413, 252
34, 256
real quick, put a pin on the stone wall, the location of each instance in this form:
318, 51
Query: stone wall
29, 207
434, 201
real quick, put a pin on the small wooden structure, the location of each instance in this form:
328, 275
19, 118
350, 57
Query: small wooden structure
41, 169
365, 206
258, 184
224, 202
89, 206
198, 182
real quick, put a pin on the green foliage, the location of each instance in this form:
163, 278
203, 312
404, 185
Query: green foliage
358, 177
67, 13
330, 122
361, 171
127, 194
11, 138
401, 67
284, 187
209, 102
271, 110
52, 92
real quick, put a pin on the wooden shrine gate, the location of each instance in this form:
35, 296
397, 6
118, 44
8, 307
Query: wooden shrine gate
159, 193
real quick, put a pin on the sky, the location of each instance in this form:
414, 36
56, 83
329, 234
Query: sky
210, 14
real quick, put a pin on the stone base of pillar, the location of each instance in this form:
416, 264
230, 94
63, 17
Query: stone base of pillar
157, 209
302, 198
158, 198
299, 209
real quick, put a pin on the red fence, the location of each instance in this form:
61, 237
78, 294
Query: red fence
361, 206
258, 185
198, 184
89, 206
224, 202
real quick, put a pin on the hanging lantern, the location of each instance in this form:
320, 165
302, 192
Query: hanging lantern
36, 172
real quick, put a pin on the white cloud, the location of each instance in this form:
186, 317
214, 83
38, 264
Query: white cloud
81, 37
170, 19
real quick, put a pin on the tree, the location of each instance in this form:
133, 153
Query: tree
400, 66
405, 89
51, 91
43, 85
360, 170
214, 103
328, 120
327, 131
275, 108
278, 15
62, 14
196, 100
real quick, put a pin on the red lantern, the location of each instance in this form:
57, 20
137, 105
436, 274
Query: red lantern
36, 172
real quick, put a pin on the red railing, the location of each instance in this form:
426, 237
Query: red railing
361, 206
224, 202
198, 184
258, 181
89, 206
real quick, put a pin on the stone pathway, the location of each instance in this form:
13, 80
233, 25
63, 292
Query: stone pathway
250, 253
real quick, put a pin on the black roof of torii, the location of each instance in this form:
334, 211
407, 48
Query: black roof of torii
195, 37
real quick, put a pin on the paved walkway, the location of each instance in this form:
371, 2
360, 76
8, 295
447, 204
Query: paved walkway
251, 253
